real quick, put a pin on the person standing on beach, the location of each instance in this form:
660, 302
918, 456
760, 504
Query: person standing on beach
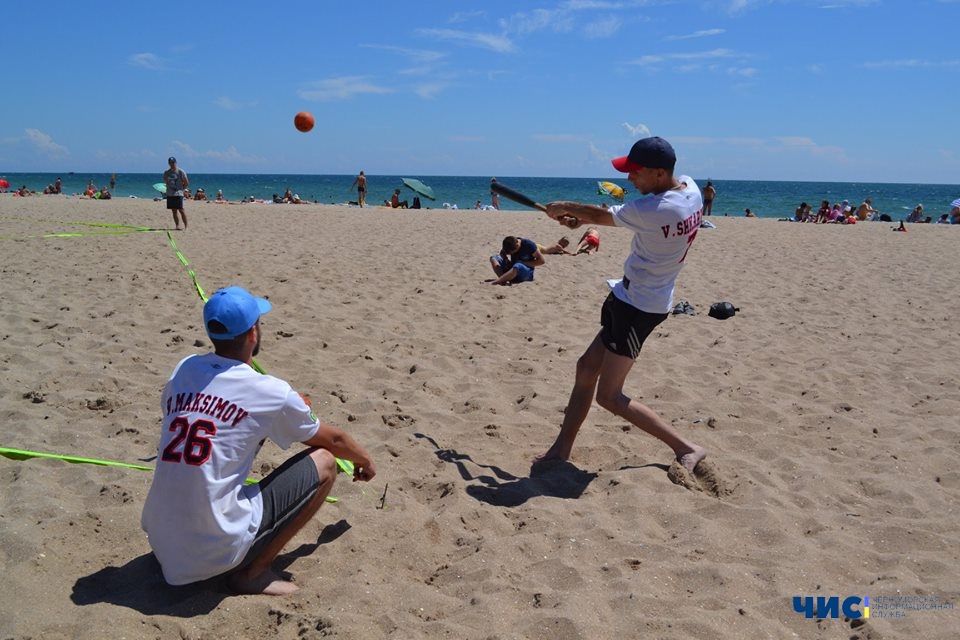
361, 182
709, 193
664, 224
494, 196
176, 181
201, 519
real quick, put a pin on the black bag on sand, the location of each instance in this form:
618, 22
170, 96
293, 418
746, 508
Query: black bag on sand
722, 310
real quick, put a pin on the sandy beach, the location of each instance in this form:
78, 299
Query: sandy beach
829, 405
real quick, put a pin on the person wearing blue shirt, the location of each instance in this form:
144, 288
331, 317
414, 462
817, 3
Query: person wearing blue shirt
516, 261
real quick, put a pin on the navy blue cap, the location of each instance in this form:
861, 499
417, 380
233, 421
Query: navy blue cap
652, 153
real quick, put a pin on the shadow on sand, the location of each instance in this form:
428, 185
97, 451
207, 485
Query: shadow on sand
139, 585
503, 489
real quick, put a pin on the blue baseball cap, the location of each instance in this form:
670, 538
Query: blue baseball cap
236, 309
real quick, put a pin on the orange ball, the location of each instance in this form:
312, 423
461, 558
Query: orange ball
303, 121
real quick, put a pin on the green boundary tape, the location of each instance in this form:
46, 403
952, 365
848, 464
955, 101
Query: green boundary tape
21, 454
114, 229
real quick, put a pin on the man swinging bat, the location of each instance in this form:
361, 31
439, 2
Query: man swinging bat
664, 222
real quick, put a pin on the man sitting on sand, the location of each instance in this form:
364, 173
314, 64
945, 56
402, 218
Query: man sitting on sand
201, 519
395, 201
516, 261
865, 210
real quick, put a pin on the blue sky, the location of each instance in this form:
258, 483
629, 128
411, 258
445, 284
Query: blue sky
833, 90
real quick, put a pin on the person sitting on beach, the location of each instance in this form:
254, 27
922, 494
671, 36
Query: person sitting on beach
865, 210
220, 197
479, 205
747, 213
589, 242
201, 518
798, 213
416, 202
955, 211
288, 195
916, 215
849, 217
558, 248
516, 261
201, 194
104, 194
396, 202
187, 194
824, 212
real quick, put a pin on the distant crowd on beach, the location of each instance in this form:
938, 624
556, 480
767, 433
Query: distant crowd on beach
844, 213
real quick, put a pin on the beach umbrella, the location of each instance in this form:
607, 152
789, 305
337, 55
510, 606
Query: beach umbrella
4, 184
161, 187
419, 187
610, 189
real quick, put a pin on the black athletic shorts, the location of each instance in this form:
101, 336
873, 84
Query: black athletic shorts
174, 202
625, 327
285, 493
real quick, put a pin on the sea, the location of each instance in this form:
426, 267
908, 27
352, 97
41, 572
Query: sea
767, 199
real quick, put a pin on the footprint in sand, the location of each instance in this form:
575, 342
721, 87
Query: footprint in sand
704, 478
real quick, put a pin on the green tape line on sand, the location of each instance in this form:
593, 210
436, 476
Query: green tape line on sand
21, 454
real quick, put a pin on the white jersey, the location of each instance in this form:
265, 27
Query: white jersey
664, 226
199, 516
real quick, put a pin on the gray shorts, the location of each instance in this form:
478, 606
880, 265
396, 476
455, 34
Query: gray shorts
285, 493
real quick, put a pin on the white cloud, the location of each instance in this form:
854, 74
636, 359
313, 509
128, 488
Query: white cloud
910, 63
225, 102
556, 20
492, 42
803, 143
465, 16
603, 27
341, 88
146, 60
637, 130
419, 56
45, 144
697, 34
693, 56
230, 154
429, 90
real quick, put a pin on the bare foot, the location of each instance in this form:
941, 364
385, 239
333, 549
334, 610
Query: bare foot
552, 454
267, 583
691, 459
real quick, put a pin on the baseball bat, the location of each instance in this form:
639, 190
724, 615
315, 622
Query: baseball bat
519, 198
516, 196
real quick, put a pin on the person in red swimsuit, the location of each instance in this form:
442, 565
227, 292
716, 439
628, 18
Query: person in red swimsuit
589, 242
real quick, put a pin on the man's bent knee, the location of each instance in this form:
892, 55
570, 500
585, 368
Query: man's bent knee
614, 402
326, 464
